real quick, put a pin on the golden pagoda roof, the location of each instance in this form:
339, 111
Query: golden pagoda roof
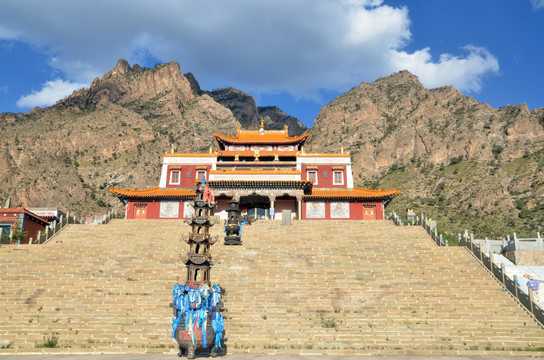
261, 153
235, 171
247, 137
355, 193
156, 192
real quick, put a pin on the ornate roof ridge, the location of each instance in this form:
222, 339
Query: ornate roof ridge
246, 171
353, 193
153, 192
260, 137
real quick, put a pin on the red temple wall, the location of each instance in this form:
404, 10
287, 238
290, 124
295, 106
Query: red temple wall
153, 209
187, 175
356, 211
29, 225
32, 230
322, 181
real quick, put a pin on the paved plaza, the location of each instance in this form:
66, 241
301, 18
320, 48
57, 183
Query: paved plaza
258, 357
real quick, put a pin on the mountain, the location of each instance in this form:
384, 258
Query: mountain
245, 110
112, 134
455, 159
465, 163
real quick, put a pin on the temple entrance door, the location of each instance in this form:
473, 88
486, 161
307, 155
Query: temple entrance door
369, 213
140, 211
256, 206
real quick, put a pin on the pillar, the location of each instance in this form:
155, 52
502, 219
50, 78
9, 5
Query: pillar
299, 208
272, 208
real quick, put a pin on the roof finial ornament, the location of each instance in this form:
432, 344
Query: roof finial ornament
210, 149
341, 149
238, 128
172, 148
286, 129
261, 131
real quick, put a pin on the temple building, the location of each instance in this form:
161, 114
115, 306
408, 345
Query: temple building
267, 171
20, 219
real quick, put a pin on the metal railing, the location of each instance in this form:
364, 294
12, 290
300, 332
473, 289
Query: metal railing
512, 285
56, 226
475, 247
428, 225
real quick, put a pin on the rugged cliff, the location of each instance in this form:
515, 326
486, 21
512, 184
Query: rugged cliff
452, 157
245, 110
111, 134
455, 159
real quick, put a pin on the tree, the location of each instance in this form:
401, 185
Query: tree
18, 234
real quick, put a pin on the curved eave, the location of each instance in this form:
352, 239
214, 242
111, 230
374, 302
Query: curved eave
254, 172
230, 140
154, 193
191, 155
384, 196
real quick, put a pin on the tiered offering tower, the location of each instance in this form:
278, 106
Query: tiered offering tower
197, 322
199, 260
233, 230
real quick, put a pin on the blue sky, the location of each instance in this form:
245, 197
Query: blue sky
298, 55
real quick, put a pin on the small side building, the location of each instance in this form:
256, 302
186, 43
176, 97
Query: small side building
49, 214
13, 219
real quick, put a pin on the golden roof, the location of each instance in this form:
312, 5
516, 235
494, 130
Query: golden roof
261, 153
254, 172
352, 193
261, 137
156, 192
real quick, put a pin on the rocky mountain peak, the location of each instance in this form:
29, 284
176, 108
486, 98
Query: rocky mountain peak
401, 77
195, 86
122, 66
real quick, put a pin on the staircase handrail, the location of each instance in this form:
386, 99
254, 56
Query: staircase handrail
468, 241
425, 223
55, 227
512, 285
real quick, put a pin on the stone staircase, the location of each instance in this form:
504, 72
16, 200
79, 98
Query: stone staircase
317, 287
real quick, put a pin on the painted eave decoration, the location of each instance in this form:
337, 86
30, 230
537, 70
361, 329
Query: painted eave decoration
156, 193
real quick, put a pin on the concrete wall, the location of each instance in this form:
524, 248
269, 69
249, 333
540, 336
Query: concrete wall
526, 257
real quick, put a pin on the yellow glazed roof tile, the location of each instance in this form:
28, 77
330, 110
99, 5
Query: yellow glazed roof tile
352, 193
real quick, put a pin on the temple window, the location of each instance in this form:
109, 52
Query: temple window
201, 174
175, 177
338, 177
312, 175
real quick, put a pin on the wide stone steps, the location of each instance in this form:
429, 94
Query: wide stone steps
332, 287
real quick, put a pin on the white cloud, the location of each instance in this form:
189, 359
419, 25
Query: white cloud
299, 47
537, 4
49, 94
464, 73
8, 34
